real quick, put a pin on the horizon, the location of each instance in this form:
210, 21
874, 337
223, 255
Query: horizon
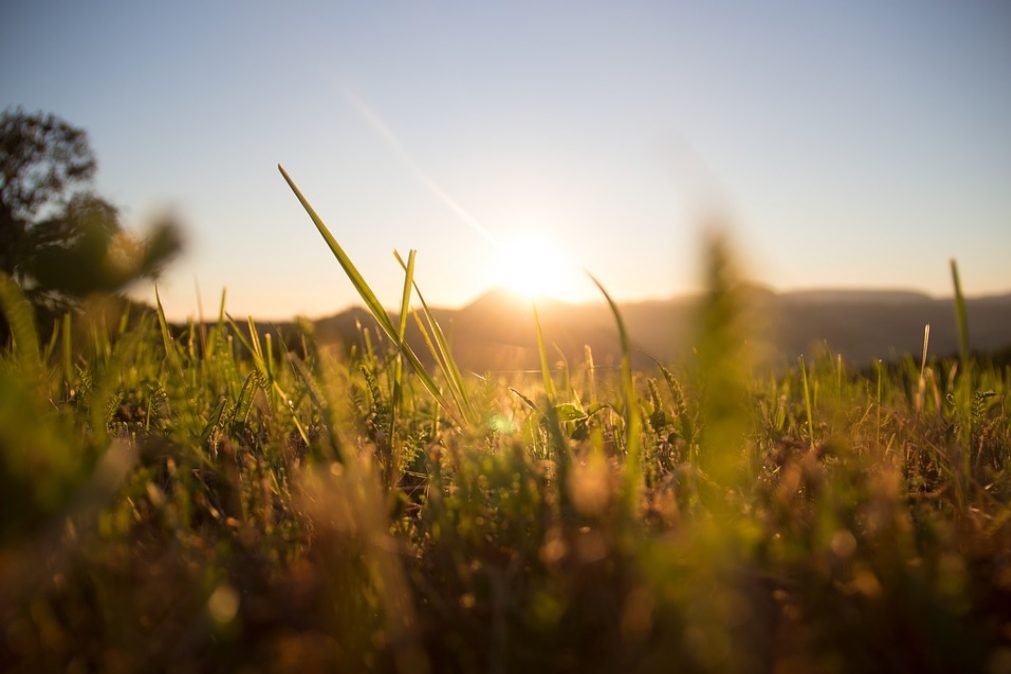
838, 146
542, 302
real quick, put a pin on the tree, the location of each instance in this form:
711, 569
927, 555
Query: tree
58, 239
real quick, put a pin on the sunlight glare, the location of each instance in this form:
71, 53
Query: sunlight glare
533, 266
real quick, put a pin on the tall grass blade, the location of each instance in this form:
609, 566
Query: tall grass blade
171, 350
807, 401
960, 317
21, 319
364, 291
444, 357
878, 369
560, 449
53, 339
266, 375
632, 476
398, 368
921, 384
67, 355
724, 358
549, 384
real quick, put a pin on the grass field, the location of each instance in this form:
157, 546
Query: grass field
218, 501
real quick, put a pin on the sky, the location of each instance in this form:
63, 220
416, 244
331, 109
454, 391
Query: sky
842, 144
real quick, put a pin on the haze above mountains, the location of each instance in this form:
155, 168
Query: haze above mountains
496, 331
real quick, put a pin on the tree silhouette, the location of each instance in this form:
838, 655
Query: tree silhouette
58, 239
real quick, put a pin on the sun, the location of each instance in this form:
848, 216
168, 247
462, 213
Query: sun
532, 265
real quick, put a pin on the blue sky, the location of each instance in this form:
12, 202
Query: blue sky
851, 144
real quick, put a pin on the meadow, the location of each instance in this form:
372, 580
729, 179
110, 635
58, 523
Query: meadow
219, 497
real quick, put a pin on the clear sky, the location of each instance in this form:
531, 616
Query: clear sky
853, 144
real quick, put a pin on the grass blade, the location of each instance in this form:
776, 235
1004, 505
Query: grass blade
398, 368
807, 401
21, 319
960, 317
171, 351
549, 384
444, 357
364, 291
633, 423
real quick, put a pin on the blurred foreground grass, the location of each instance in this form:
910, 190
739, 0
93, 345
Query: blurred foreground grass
213, 500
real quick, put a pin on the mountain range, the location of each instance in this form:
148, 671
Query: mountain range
496, 331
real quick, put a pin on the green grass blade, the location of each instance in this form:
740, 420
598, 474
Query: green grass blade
21, 319
444, 357
405, 300
437, 358
252, 345
171, 350
357, 280
807, 401
632, 477
960, 317
398, 368
68, 362
559, 445
549, 384
878, 370
364, 291
53, 339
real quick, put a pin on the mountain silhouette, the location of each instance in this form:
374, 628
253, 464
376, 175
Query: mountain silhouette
496, 331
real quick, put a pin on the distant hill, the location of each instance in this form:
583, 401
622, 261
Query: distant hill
496, 331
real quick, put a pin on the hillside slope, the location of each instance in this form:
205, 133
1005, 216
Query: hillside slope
496, 331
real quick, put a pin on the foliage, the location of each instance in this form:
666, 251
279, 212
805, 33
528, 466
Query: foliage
58, 239
219, 501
